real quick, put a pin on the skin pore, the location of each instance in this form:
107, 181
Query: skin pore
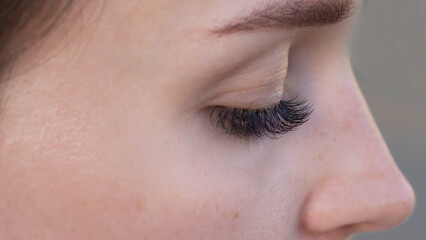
106, 130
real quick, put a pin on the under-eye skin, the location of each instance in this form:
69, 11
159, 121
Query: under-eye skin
270, 122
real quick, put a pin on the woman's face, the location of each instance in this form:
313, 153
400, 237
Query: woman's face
107, 133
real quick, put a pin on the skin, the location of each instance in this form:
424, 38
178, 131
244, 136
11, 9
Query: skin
105, 132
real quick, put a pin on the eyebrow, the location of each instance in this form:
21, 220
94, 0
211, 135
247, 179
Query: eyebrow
290, 14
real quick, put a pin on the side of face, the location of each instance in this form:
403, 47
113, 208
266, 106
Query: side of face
110, 137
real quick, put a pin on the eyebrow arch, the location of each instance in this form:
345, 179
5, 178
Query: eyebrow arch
291, 14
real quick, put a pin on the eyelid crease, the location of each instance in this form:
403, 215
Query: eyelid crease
277, 83
260, 96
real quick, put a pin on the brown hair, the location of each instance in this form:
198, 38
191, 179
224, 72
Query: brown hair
23, 23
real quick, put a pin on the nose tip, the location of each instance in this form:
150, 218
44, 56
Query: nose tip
361, 204
398, 206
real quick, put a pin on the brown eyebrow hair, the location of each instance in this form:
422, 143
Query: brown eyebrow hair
290, 14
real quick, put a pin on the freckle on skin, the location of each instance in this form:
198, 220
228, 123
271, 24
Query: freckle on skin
217, 207
176, 195
78, 201
12, 147
138, 206
319, 158
347, 124
236, 215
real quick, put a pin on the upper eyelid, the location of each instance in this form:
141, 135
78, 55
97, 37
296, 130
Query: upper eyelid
251, 98
265, 85
252, 90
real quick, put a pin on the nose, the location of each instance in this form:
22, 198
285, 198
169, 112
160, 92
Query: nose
363, 189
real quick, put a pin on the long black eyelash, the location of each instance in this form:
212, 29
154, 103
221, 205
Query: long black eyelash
260, 123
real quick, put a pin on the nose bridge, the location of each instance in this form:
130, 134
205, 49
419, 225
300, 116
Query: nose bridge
365, 151
365, 187
360, 137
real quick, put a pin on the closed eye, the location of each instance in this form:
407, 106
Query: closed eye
270, 122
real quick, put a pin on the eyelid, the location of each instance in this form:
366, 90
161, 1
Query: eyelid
252, 98
262, 123
255, 84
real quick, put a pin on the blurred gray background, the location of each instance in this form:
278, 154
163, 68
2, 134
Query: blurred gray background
388, 53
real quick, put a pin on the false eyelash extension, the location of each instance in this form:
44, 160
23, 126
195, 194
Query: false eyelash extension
260, 123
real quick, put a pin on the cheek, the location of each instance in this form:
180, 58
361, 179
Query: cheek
77, 165
64, 177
